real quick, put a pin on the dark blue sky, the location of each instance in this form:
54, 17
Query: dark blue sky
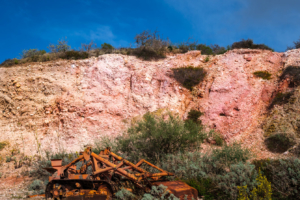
37, 23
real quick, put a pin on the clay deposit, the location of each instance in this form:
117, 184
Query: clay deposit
64, 105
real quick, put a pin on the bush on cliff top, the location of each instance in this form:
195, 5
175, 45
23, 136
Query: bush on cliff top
150, 45
248, 44
296, 45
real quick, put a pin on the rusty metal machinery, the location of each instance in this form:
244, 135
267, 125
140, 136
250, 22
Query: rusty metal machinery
109, 174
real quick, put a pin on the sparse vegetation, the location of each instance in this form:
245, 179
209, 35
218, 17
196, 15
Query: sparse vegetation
263, 74
206, 59
3, 144
248, 44
37, 186
108, 48
194, 116
189, 76
284, 175
150, 45
296, 45
216, 137
293, 73
62, 46
205, 50
281, 98
159, 192
88, 47
74, 55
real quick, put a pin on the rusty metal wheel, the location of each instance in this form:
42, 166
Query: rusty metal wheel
104, 189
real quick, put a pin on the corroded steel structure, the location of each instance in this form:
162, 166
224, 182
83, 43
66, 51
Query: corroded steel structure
108, 174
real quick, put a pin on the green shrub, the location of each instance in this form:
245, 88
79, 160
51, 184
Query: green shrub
150, 45
263, 74
189, 76
3, 144
262, 191
281, 98
248, 44
239, 175
217, 137
205, 50
88, 47
213, 177
32, 53
218, 50
38, 171
62, 46
124, 194
296, 45
9, 62
160, 192
153, 138
74, 55
293, 73
191, 165
8, 159
206, 59
231, 154
194, 116
204, 186
170, 48
107, 47
280, 142
284, 175
37, 186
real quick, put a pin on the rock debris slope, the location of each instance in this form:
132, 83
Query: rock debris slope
64, 104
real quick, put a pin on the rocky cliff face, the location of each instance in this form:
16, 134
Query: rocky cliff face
67, 104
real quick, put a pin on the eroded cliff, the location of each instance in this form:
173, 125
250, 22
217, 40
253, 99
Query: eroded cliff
67, 104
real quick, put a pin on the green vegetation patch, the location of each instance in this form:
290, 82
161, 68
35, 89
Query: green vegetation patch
293, 73
3, 145
189, 76
249, 44
281, 98
263, 74
75, 55
284, 175
194, 116
154, 137
216, 137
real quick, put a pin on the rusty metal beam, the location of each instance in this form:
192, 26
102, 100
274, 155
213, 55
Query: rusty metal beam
122, 171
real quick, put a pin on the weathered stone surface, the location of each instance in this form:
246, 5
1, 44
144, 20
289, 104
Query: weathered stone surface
68, 104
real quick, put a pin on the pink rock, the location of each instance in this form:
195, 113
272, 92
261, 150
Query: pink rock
104, 95
248, 58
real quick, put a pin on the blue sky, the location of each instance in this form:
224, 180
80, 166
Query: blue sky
35, 23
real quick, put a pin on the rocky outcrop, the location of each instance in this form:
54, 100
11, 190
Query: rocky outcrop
67, 104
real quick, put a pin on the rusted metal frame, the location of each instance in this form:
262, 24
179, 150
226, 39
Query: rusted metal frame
149, 175
95, 164
139, 163
71, 163
126, 162
102, 170
154, 166
108, 168
120, 170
